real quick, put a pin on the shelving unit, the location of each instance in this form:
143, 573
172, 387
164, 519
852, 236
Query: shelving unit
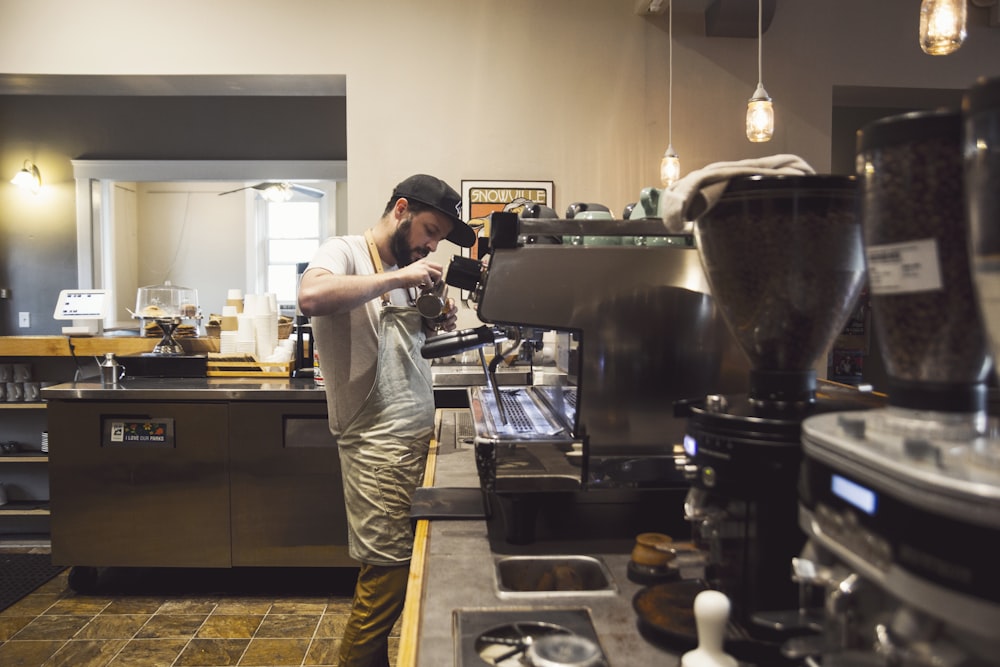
24, 473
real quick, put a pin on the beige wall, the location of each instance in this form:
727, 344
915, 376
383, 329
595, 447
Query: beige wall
573, 91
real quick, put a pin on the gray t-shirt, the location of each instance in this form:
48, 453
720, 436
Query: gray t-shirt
347, 343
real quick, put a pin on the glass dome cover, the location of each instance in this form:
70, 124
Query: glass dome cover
166, 301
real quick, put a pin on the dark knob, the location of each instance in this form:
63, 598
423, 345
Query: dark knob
464, 273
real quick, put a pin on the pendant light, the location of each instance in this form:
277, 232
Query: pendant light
670, 165
942, 26
760, 112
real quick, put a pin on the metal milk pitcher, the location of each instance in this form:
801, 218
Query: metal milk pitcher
111, 370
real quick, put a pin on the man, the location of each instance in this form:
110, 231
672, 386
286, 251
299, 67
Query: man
360, 293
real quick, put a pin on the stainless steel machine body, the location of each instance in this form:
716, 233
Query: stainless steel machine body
649, 334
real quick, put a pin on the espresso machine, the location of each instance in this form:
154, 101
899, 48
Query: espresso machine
784, 258
901, 505
602, 445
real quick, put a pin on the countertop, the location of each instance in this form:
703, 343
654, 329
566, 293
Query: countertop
181, 389
453, 569
89, 346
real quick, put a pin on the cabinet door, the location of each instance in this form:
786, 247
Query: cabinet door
287, 495
139, 501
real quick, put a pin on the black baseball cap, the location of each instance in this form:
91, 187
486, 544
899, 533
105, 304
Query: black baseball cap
438, 195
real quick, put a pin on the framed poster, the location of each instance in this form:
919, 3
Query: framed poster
481, 198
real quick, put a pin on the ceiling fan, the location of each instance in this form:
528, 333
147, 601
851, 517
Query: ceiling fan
279, 190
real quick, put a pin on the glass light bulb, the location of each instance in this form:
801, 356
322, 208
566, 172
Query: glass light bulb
279, 192
942, 26
670, 167
760, 120
28, 178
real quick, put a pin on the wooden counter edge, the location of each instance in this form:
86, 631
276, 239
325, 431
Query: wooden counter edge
409, 632
89, 346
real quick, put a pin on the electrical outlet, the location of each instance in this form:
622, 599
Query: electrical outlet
24, 319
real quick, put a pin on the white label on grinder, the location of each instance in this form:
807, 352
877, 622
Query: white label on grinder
904, 268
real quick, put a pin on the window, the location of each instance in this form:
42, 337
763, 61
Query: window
289, 232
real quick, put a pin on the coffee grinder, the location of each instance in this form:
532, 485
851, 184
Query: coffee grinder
784, 258
902, 504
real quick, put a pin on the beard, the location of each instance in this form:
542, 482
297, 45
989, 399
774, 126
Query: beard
399, 243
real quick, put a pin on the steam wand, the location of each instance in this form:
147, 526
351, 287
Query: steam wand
491, 377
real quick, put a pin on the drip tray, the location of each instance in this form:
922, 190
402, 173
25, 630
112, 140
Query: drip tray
501, 637
552, 576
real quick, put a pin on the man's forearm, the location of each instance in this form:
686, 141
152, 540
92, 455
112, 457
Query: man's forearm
324, 293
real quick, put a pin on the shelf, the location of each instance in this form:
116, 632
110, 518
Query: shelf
25, 508
33, 405
24, 457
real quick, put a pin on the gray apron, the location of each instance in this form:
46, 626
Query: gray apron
383, 450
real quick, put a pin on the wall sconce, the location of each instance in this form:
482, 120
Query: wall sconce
760, 111
942, 26
670, 165
28, 178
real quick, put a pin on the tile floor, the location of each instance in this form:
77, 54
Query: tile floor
137, 623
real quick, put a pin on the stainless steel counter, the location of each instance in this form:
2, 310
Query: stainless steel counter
185, 389
457, 573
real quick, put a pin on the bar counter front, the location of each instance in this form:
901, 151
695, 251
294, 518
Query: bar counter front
194, 472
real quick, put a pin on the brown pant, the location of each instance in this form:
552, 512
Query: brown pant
378, 602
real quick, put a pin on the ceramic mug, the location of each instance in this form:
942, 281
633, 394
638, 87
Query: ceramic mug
33, 391
15, 392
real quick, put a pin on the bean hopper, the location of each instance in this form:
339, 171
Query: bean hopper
168, 306
784, 258
902, 504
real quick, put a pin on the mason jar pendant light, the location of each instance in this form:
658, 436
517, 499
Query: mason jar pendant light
670, 165
760, 112
942, 26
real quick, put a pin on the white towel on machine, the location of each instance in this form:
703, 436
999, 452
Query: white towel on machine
690, 197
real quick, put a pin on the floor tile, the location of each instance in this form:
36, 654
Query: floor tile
31, 605
188, 606
10, 625
299, 606
28, 653
161, 626
212, 652
113, 626
323, 651
133, 605
78, 605
231, 605
332, 625
221, 626
288, 625
264, 652
85, 653
52, 627
149, 653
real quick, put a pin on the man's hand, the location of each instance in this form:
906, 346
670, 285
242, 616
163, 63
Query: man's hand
421, 273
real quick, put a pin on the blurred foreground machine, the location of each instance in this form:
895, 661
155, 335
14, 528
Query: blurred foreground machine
649, 334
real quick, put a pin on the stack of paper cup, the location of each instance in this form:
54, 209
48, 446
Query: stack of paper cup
265, 327
229, 314
234, 298
227, 342
245, 341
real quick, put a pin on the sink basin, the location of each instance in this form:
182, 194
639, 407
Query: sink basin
519, 577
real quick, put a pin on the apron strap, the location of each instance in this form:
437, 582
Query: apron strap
376, 260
